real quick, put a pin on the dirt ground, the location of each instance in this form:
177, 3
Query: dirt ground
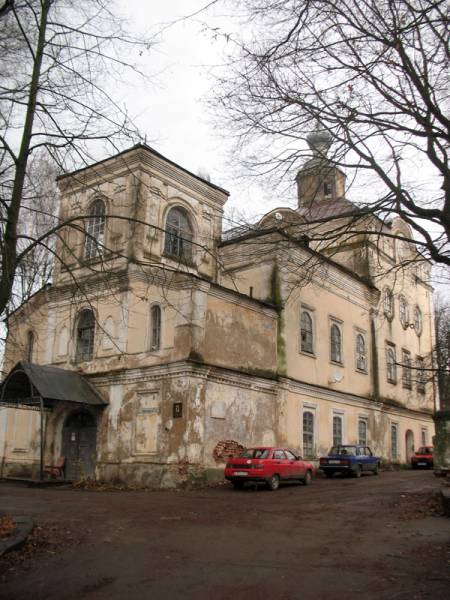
373, 538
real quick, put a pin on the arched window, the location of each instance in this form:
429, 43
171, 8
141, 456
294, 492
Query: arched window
337, 430
30, 346
403, 311
388, 303
85, 335
418, 320
391, 367
306, 332
362, 432
335, 344
308, 434
155, 327
178, 240
361, 361
95, 231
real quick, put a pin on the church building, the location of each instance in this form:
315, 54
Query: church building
163, 344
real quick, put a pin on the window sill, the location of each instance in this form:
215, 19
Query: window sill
336, 363
392, 381
310, 354
361, 371
180, 260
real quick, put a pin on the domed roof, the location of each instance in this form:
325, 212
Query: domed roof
319, 141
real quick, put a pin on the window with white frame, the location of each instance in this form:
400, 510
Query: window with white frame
178, 239
420, 375
95, 231
424, 436
394, 441
391, 364
418, 322
155, 327
362, 431
337, 430
308, 433
388, 303
361, 357
406, 370
403, 311
335, 343
306, 332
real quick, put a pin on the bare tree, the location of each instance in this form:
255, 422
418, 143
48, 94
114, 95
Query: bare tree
57, 61
442, 360
373, 77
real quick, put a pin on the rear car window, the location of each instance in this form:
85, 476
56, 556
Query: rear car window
346, 450
255, 453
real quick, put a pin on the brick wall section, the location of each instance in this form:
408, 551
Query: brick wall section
226, 448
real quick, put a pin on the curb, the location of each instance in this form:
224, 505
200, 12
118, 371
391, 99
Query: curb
15, 541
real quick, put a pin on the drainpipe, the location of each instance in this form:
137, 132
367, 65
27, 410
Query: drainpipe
375, 371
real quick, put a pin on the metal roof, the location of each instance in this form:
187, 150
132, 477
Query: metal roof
51, 383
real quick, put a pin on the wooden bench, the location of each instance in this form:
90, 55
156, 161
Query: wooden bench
56, 470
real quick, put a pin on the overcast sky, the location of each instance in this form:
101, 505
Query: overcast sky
172, 110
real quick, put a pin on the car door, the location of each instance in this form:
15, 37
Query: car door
370, 458
280, 463
362, 458
296, 467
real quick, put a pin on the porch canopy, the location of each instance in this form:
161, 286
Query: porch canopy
40, 387
31, 385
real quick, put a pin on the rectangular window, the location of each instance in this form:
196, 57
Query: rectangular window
362, 432
336, 342
406, 370
337, 430
420, 375
391, 364
394, 442
424, 437
308, 434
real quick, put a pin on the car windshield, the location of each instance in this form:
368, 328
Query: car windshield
349, 450
424, 450
255, 453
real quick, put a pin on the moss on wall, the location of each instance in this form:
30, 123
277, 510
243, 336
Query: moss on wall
276, 299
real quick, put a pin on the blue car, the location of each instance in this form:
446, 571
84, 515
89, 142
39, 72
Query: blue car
352, 459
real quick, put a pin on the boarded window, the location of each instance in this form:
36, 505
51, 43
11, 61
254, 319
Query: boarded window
306, 332
147, 423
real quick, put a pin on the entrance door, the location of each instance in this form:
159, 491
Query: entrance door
409, 443
79, 440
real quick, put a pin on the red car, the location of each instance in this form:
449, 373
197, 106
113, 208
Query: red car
422, 458
269, 466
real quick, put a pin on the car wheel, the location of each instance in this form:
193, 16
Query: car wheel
358, 471
238, 485
329, 473
307, 479
273, 483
